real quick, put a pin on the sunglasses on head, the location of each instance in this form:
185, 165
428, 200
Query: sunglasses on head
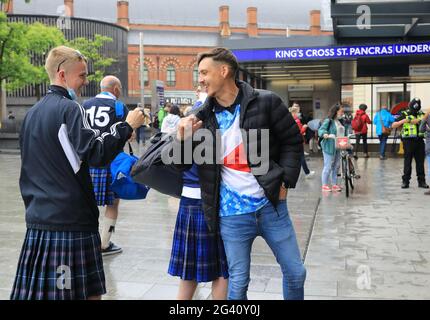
77, 53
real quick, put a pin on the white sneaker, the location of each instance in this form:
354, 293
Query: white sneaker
306, 153
310, 174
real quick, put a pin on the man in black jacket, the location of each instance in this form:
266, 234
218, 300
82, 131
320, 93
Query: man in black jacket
239, 199
61, 255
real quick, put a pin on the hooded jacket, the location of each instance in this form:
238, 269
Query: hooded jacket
365, 119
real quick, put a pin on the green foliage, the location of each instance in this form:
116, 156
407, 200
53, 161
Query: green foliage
18, 43
90, 48
23, 49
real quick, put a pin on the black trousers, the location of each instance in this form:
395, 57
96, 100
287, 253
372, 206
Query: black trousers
358, 137
414, 148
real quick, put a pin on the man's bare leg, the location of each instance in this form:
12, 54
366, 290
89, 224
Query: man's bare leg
109, 221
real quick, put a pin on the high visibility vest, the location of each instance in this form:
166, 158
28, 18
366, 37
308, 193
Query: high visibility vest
410, 130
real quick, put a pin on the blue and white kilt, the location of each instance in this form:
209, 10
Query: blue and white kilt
59, 265
196, 254
102, 179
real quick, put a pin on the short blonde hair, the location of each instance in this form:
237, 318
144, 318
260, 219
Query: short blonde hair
61, 56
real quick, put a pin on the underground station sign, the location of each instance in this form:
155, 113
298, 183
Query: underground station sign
341, 52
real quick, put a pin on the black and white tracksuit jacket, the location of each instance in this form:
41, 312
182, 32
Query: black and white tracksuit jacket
57, 147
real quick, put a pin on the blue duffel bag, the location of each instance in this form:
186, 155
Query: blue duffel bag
122, 183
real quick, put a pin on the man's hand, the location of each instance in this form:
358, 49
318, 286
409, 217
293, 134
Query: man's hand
283, 192
187, 126
135, 118
399, 123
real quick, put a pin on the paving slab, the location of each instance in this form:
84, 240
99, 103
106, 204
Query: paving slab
379, 238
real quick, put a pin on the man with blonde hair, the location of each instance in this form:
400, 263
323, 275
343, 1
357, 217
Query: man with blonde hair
61, 255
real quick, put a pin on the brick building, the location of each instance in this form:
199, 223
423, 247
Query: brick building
171, 44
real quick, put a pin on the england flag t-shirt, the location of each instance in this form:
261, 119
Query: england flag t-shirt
240, 192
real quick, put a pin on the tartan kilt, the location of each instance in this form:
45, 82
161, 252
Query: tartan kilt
101, 178
59, 265
196, 254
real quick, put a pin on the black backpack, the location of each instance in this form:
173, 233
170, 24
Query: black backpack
152, 172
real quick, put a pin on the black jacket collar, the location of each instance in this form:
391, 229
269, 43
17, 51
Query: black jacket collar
60, 91
248, 94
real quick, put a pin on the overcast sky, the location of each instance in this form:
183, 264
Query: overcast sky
271, 13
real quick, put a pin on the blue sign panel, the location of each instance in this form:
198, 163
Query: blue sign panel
291, 54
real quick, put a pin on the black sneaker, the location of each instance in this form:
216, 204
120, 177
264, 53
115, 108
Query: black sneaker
423, 185
111, 249
405, 185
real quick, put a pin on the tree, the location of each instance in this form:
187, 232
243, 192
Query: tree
23, 49
90, 48
19, 44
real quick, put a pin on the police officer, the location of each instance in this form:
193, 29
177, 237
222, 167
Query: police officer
413, 142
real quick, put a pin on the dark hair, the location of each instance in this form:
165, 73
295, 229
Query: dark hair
362, 107
175, 110
332, 112
221, 55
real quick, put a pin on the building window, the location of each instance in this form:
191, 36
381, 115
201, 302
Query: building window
145, 76
171, 76
391, 99
195, 76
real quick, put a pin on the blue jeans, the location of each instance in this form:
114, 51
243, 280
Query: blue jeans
382, 144
428, 167
331, 167
238, 234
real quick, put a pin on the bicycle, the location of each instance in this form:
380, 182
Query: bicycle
347, 163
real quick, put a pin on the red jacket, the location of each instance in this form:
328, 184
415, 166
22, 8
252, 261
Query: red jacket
299, 123
365, 118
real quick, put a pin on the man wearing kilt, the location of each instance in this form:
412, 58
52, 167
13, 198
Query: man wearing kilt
61, 255
104, 110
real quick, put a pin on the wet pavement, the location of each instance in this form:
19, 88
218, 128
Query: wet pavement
374, 245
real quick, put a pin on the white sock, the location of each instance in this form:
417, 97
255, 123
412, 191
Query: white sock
107, 230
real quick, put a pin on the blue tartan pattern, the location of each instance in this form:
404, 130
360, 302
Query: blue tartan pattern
102, 179
196, 254
59, 265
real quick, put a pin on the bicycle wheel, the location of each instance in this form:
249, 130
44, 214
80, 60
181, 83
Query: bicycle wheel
345, 174
351, 173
